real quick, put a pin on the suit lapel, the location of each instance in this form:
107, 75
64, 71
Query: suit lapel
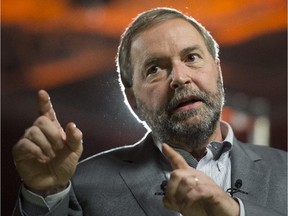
145, 173
254, 173
143, 176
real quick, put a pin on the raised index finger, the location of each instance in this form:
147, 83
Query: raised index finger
175, 159
45, 105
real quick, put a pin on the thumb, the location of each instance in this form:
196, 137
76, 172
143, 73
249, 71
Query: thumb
175, 159
74, 138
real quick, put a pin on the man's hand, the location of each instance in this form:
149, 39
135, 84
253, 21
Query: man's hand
192, 192
46, 156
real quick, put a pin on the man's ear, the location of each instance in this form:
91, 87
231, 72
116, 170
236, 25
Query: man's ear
217, 61
131, 99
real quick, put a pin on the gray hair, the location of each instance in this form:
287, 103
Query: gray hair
145, 21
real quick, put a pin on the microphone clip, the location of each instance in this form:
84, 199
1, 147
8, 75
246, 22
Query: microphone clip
163, 187
236, 189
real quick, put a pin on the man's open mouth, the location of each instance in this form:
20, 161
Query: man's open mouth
187, 103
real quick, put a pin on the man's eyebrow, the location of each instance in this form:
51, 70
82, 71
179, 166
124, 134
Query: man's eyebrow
150, 61
191, 49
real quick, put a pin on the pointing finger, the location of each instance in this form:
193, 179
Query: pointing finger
45, 105
46, 109
175, 159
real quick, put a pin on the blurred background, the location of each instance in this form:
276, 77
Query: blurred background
68, 47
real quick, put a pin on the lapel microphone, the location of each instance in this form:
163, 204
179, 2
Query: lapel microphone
163, 187
231, 191
236, 189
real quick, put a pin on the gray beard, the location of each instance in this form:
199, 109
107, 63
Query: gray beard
173, 128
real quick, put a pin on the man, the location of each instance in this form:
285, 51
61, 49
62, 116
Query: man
171, 75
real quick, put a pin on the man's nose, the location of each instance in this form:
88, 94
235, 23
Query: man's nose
180, 76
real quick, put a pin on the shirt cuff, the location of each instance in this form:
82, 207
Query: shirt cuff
49, 201
242, 209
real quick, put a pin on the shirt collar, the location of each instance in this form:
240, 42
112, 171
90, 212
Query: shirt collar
227, 132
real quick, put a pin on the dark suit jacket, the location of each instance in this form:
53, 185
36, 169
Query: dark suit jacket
123, 181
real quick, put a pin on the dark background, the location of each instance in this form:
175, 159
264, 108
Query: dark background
68, 48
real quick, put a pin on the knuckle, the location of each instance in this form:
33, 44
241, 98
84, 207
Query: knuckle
186, 181
21, 146
202, 192
173, 175
41, 120
35, 151
177, 174
34, 131
56, 137
16, 147
46, 147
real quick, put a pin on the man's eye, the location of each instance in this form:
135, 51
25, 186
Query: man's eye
153, 70
192, 57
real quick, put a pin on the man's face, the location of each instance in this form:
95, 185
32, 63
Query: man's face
176, 83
